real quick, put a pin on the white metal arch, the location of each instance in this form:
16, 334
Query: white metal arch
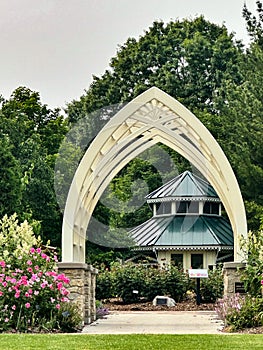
150, 118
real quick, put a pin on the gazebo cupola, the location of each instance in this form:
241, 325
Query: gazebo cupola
187, 228
187, 194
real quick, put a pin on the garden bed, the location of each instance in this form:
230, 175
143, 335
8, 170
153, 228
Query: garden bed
186, 305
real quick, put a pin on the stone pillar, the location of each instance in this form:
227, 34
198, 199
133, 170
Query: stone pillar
94, 272
90, 294
87, 316
232, 277
81, 287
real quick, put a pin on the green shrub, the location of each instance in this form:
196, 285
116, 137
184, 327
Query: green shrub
176, 283
15, 238
211, 288
154, 283
130, 282
249, 314
69, 318
252, 274
239, 312
105, 285
134, 282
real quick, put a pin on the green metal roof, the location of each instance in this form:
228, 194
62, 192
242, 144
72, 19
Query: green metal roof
184, 185
182, 231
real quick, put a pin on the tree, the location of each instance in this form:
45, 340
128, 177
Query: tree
34, 133
254, 24
238, 123
10, 179
188, 59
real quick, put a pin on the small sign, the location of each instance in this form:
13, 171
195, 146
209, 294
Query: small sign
161, 301
240, 288
198, 273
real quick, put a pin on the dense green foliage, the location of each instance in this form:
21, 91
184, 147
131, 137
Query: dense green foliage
212, 288
32, 135
134, 282
122, 280
252, 275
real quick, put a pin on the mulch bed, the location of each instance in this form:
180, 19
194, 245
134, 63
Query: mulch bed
186, 305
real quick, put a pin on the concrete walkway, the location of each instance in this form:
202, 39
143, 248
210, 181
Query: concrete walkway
156, 322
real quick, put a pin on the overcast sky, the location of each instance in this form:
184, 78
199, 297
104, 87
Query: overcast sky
55, 46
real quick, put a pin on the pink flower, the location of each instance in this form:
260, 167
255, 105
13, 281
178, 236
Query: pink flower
43, 284
262, 282
24, 281
1, 293
32, 250
17, 295
2, 263
6, 320
65, 300
30, 270
36, 267
4, 284
27, 305
26, 294
36, 292
34, 278
64, 291
38, 250
29, 262
13, 307
59, 285
58, 306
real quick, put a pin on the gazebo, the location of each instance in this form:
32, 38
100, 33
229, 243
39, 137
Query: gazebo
187, 228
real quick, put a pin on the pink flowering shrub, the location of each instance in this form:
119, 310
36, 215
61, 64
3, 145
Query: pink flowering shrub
239, 312
33, 295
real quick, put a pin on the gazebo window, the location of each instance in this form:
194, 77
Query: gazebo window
185, 207
181, 207
164, 208
211, 208
177, 260
197, 261
193, 207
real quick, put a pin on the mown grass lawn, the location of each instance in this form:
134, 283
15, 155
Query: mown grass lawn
131, 341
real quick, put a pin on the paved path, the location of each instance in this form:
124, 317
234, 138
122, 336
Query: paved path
156, 322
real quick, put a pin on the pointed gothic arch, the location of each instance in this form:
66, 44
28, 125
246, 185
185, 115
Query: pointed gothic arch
152, 117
